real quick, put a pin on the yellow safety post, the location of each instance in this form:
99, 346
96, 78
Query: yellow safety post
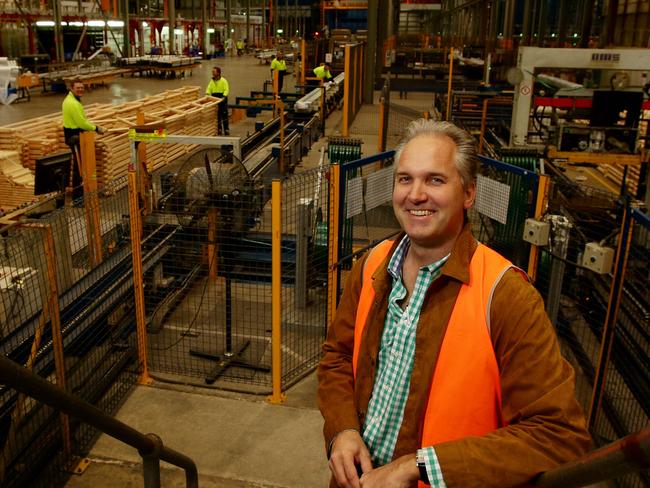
362, 52
55, 320
381, 147
333, 239
347, 96
145, 180
280, 105
276, 292
276, 83
303, 61
451, 71
91, 198
483, 122
540, 208
138, 287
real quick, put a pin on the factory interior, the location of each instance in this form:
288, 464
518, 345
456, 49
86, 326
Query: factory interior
173, 307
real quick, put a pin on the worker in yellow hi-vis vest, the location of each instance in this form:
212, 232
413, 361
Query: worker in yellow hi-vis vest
218, 87
322, 72
74, 123
279, 65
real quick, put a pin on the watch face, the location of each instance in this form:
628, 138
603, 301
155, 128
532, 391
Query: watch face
419, 457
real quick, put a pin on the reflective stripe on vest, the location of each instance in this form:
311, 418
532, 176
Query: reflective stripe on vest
465, 393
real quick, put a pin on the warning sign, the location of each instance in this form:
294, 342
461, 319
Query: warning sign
148, 134
525, 90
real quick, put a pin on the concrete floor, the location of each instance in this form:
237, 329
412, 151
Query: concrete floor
243, 74
237, 440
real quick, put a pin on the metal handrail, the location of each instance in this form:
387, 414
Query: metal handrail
149, 446
627, 455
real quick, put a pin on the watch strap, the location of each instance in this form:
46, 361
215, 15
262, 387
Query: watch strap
422, 466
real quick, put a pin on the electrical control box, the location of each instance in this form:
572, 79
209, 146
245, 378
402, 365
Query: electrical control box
583, 138
536, 232
598, 258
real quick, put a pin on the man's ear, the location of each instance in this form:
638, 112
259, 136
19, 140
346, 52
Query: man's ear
470, 195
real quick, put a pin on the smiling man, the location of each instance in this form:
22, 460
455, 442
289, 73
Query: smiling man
441, 366
74, 123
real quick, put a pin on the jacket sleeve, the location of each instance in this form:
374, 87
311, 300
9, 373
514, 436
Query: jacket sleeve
226, 89
545, 425
335, 379
208, 89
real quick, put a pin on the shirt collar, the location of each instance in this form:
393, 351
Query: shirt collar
397, 259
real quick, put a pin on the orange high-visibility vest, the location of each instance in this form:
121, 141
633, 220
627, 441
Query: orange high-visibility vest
465, 391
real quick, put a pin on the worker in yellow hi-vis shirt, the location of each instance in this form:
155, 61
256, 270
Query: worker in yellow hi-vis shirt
218, 87
279, 65
75, 122
323, 72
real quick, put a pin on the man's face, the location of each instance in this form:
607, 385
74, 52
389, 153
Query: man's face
78, 89
216, 74
428, 197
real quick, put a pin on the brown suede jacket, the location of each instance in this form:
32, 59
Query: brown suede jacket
545, 424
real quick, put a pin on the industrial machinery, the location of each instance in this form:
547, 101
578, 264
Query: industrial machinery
9, 72
613, 62
213, 205
580, 117
212, 201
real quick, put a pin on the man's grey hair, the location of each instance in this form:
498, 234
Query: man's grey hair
466, 156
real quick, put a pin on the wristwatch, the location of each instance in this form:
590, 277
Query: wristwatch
422, 466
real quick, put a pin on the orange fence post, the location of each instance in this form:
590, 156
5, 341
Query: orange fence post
88, 172
276, 286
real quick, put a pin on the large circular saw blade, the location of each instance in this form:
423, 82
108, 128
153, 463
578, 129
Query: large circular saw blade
214, 180
208, 172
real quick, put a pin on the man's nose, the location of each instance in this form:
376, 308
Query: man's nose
416, 192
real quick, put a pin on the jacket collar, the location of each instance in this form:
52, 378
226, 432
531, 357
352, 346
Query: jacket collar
456, 267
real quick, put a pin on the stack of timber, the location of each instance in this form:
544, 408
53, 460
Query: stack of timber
180, 110
195, 117
615, 173
16, 182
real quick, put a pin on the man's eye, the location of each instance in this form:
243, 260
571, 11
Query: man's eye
402, 179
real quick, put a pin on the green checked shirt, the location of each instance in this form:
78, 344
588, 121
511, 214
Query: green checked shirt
395, 364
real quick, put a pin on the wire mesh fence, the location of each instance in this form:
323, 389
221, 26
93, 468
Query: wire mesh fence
575, 276
209, 306
24, 292
207, 254
624, 406
365, 208
60, 317
505, 198
304, 272
400, 116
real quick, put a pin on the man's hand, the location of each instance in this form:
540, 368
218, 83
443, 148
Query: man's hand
401, 473
100, 130
348, 452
